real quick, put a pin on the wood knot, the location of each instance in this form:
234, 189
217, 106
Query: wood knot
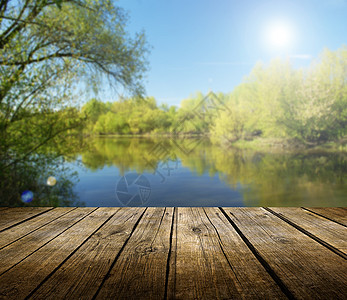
116, 232
145, 250
196, 229
281, 240
149, 250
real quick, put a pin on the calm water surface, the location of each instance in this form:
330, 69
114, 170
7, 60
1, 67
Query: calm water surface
194, 172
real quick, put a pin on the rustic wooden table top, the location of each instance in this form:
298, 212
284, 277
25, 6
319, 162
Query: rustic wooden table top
174, 253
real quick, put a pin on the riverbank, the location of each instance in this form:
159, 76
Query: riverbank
257, 143
289, 145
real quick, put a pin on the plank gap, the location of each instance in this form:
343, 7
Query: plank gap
18, 262
169, 255
318, 214
263, 262
221, 247
72, 253
24, 235
309, 234
118, 255
27, 219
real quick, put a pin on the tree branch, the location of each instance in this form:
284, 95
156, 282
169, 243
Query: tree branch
45, 141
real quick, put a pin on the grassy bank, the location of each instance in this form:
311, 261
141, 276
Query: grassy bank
257, 143
290, 145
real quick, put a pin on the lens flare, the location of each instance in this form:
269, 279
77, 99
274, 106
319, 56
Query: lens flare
51, 181
27, 196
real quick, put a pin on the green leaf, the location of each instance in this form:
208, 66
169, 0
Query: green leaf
58, 3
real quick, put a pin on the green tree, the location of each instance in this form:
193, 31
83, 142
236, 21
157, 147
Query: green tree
193, 116
230, 126
238, 119
267, 85
44, 50
91, 111
316, 112
94, 108
45, 55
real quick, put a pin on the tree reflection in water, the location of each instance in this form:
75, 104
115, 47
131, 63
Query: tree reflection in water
264, 179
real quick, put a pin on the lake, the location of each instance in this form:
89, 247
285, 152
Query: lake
140, 171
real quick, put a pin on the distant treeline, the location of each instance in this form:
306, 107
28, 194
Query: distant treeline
275, 100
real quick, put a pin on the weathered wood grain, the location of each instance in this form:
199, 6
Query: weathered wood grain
25, 277
325, 230
338, 214
175, 253
84, 271
140, 270
19, 250
23, 229
308, 269
198, 266
254, 281
10, 217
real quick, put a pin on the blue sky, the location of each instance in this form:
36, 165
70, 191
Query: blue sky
198, 45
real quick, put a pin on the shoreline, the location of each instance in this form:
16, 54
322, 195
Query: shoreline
258, 144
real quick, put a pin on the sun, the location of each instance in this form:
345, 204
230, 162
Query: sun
279, 35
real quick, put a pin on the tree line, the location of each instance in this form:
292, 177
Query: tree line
50, 49
274, 100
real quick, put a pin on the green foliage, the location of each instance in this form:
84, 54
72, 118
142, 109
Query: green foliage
278, 101
93, 109
47, 48
32, 174
316, 112
275, 101
128, 116
238, 119
267, 86
44, 50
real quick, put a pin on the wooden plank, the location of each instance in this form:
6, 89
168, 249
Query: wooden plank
25, 277
255, 282
307, 269
3, 208
337, 214
11, 217
325, 230
198, 266
140, 270
23, 229
19, 250
92, 261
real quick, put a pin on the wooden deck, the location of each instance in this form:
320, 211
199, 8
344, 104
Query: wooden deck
173, 253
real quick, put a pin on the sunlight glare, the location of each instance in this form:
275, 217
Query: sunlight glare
279, 35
